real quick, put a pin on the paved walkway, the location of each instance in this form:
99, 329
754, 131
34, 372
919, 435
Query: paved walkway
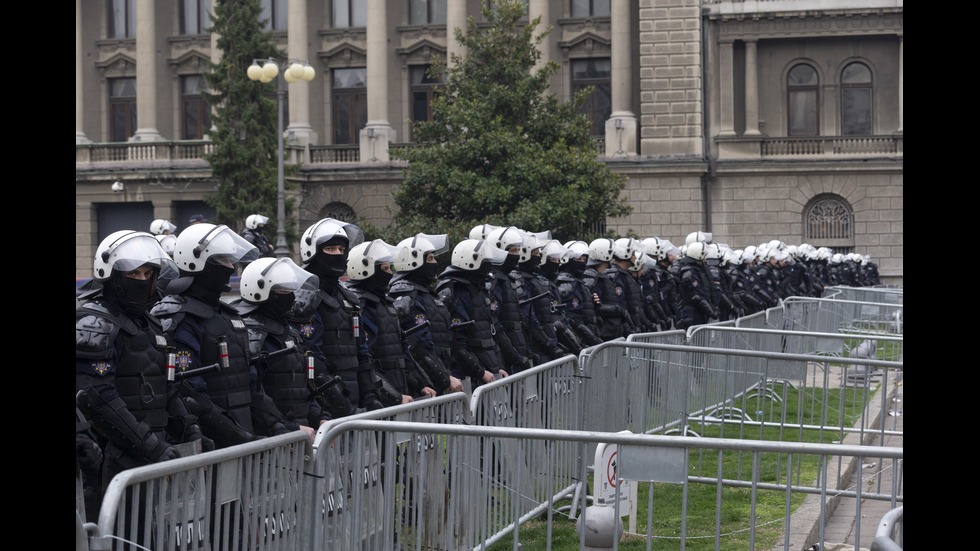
845, 523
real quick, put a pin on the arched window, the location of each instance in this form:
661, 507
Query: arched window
828, 221
802, 88
855, 100
339, 211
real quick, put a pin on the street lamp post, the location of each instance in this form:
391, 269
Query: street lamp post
296, 71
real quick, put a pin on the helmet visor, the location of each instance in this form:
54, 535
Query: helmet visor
221, 244
135, 250
284, 274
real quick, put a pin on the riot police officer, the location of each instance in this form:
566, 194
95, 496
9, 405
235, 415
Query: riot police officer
121, 355
463, 287
276, 350
336, 337
424, 319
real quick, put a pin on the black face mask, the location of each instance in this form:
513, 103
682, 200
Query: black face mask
510, 262
132, 295
278, 304
328, 267
531, 266
424, 274
549, 268
210, 283
378, 283
575, 267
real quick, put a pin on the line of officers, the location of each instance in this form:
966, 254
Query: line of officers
167, 365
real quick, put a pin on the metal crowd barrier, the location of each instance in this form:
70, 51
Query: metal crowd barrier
890, 533
824, 315
250, 496
466, 449
351, 482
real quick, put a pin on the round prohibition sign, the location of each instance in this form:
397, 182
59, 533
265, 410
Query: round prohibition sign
611, 477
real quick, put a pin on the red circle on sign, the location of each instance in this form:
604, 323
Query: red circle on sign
611, 470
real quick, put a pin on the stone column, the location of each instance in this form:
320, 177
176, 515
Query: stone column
455, 19
901, 83
378, 133
621, 126
299, 131
726, 88
752, 88
79, 78
146, 73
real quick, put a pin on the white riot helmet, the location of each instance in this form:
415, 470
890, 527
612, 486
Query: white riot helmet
653, 248
576, 249
325, 230
712, 251
126, 250
482, 231
669, 248
601, 250
202, 243
554, 250
501, 239
158, 226
266, 275
625, 248
168, 242
469, 254
255, 220
418, 247
698, 237
640, 263
533, 241
364, 259
697, 250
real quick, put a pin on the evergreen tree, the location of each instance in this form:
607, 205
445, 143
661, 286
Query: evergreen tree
501, 149
245, 117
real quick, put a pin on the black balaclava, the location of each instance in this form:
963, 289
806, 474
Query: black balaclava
377, 283
424, 274
278, 305
574, 267
549, 269
329, 267
209, 283
134, 296
532, 265
510, 262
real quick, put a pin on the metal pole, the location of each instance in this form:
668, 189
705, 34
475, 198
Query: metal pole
281, 249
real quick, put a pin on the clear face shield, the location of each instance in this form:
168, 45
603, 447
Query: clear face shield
418, 248
130, 252
260, 279
223, 246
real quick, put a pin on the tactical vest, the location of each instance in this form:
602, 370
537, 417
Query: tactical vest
140, 376
284, 376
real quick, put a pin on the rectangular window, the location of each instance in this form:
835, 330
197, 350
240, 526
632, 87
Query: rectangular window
595, 72
195, 16
590, 8
423, 88
122, 18
122, 108
803, 113
196, 112
276, 12
349, 104
349, 13
856, 111
423, 12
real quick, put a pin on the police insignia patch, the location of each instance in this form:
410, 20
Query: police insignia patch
101, 367
575, 303
619, 290
419, 319
306, 329
183, 362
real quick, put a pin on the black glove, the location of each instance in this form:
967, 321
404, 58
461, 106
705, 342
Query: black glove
193, 433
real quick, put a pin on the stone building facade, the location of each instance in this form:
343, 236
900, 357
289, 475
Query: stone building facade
755, 120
